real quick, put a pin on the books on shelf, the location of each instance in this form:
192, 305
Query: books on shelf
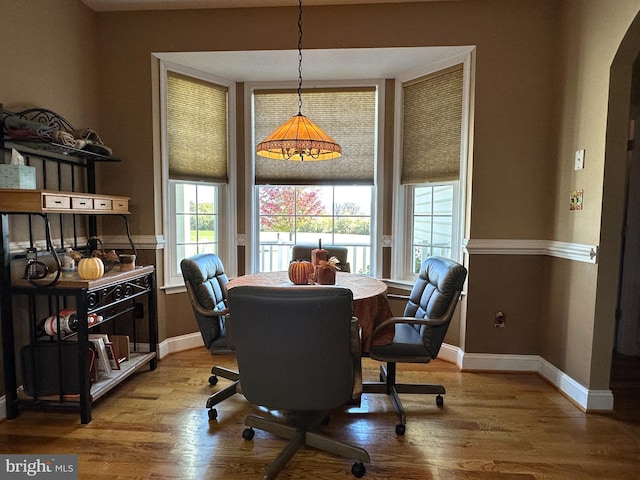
111, 352
98, 340
121, 347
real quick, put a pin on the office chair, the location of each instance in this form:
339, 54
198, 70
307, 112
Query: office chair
298, 350
303, 252
206, 285
420, 332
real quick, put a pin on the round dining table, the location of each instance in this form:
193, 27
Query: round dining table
370, 304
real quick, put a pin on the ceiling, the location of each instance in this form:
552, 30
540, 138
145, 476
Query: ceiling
321, 65
282, 65
121, 5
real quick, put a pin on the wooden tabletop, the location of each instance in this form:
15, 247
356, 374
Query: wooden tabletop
370, 303
362, 286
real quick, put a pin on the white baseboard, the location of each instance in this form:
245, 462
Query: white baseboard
174, 344
588, 400
178, 344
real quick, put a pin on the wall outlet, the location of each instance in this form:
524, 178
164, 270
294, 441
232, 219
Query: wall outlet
576, 200
499, 320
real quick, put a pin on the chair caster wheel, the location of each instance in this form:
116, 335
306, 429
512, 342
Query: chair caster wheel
213, 380
358, 469
439, 401
400, 428
213, 414
248, 433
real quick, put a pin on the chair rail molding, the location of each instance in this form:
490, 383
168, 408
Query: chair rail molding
143, 242
578, 252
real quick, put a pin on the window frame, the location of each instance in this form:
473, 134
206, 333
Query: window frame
173, 281
251, 240
409, 194
333, 216
402, 241
172, 269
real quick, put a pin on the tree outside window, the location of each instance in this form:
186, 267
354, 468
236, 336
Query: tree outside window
335, 215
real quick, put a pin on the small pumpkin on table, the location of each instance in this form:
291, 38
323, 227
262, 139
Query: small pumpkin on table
96, 265
326, 271
90, 268
301, 272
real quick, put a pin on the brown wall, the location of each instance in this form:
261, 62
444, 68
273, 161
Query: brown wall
48, 59
578, 338
512, 284
541, 92
511, 157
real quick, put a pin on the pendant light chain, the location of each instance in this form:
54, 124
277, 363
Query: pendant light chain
299, 139
299, 57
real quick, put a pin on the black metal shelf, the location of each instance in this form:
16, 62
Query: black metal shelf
56, 151
109, 295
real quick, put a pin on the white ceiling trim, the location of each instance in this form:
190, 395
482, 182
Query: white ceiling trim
317, 65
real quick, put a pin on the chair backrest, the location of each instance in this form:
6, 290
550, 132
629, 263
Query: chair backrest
435, 296
206, 285
293, 345
303, 252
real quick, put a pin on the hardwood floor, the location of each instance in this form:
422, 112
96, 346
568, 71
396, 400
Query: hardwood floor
625, 385
493, 426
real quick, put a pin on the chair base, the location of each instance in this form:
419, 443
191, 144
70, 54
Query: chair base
387, 385
299, 436
226, 392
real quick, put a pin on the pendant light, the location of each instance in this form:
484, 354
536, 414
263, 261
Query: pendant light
299, 139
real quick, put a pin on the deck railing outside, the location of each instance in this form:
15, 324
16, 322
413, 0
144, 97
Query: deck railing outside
276, 256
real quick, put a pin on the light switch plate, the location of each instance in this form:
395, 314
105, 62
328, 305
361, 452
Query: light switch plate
579, 161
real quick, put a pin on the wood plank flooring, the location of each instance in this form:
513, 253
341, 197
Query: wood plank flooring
493, 426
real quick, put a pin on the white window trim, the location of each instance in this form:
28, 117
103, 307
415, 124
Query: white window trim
227, 222
402, 199
252, 225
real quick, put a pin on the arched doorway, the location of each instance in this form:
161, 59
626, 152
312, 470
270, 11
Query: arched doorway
614, 206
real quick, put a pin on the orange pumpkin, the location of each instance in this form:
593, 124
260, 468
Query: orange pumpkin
300, 271
90, 268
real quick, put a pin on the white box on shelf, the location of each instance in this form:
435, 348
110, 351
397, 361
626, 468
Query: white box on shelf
17, 176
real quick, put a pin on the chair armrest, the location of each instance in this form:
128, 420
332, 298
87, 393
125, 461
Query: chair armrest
409, 320
202, 311
356, 338
396, 296
356, 352
444, 318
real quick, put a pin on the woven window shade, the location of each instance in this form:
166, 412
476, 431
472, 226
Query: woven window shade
196, 129
347, 115
432, 128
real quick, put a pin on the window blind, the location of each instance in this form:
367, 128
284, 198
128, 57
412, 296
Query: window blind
348, 115
432, 125
196, 129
